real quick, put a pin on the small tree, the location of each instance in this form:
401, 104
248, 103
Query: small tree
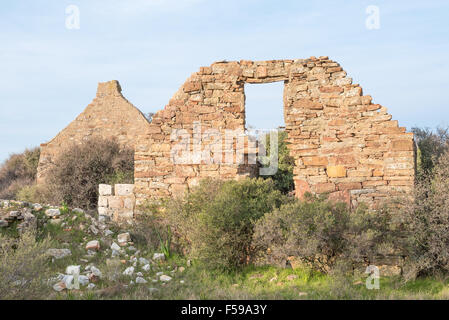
81, 168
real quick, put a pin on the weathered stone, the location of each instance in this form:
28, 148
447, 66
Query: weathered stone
93, 245
52, 213
335, 171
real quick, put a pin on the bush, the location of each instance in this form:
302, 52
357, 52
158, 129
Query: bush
80, 169
18, 171
428, 221
431, 145
322, 234
23, 267
216, 220
34, 193
283, 178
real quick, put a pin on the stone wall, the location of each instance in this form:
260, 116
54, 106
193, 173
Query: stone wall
109, 115
116, 202
343, 143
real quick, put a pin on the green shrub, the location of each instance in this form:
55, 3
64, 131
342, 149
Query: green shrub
428, 222
322, 234
431, 145
34, 193
18, 171
215, 221
81, 168
24, 269
283, 178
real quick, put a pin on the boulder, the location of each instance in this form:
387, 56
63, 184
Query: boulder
93, 245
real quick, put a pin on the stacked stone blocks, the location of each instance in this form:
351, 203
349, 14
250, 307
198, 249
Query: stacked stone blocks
117, 202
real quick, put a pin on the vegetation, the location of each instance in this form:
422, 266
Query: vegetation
235, 239
80, 169
283, 178
18, 171
215, 222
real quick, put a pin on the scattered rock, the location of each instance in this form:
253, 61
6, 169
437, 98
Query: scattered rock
3, 223
59, 253
158, 256
181, 269
165, 278
302, 294
115, 246
108, 232
139, 274
123, 238
37, 207
143, 261
159, 274
131, 248
93, 245
93, 229
146, 267
182, 282
73, 270
141, 280
83, 280
59, 286
78, 210
96, 272
91, 286
128, 271
52, 213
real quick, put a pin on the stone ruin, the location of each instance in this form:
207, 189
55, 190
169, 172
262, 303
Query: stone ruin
343, 144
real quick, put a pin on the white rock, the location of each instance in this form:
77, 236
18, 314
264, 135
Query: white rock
96, 272
59, 253
115, 246
139, 274
78, 210
165, 278
52, 213
146, 267
143, 261
83, 280
108, 232
141, 280
93, 245
159, 274
124, 238
73, 270
105, 190
182, 282
59, 286
129, 271
91, 286
158, 256
3, 223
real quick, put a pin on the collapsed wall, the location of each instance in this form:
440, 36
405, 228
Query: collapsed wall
343, 143
109, 116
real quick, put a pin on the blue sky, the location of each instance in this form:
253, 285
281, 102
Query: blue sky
49, 74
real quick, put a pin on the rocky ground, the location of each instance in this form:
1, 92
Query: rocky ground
90, 253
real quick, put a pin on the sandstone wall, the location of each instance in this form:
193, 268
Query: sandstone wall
342, 142
109, 115
116, 202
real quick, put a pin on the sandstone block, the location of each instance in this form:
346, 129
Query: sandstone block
124, 189
105, 190
335, 171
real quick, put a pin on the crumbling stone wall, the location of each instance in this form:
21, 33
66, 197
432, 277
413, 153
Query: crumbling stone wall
109, 115
116, 202
343, 143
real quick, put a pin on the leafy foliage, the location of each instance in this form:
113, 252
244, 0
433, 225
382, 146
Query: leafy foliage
216, 220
